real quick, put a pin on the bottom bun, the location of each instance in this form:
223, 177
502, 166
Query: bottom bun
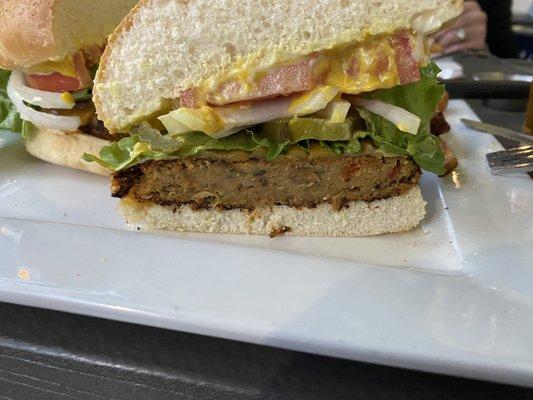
396, 214
65, 148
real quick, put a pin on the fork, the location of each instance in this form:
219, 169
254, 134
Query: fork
519, 159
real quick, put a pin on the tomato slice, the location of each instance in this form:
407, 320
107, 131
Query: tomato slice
54, 82
57, 82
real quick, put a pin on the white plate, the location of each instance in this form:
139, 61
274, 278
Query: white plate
454, 296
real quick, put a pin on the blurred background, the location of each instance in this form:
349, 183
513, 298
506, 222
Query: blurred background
485, 56
522, 27
505, 27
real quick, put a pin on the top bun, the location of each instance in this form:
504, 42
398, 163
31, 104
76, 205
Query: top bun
166, 46
34, 31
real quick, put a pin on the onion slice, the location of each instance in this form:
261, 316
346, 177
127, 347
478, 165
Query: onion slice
336, 111
41, 119
404, 120
313, 101
174, 127
258, 113
40, 98
219, 122
420, 49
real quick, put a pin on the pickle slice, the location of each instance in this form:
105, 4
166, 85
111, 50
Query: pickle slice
297, 129
156, 140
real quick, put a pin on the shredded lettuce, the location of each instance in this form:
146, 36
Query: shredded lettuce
9, 116
420, 98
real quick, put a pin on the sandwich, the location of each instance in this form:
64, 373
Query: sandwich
49, 53
309, 118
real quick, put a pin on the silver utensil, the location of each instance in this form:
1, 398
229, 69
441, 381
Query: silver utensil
498, 131
512, 160
500, 76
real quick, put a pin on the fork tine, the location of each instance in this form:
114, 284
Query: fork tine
524, 151
510, 157
503, 169
513, 160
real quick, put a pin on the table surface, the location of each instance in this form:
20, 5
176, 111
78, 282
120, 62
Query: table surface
52, 355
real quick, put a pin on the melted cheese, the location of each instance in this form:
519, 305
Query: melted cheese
248, 72
204, 119
351, 68
65, 67
367, 77
309, 102
68, 98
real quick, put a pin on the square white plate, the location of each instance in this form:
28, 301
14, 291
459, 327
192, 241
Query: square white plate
454, 296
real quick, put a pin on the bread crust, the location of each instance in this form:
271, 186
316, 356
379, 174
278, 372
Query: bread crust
26, 32
122, 28
65, 148
393, 215
196, 59
35, 31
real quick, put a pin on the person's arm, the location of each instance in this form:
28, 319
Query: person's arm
469, 31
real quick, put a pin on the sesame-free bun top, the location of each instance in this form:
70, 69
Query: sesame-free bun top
35, 31
165, 46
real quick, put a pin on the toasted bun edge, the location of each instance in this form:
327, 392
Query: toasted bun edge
35, 31
396, 214
65, 148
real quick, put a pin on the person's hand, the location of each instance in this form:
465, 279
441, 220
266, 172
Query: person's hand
469, 32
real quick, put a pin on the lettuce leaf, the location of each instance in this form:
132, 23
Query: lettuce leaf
420, 98
147, 143
83, 95
26, 130
352, 146
9, 117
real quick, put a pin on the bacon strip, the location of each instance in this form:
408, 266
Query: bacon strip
450, 161
190, 98
283, 81
406, 62
302, 76
82, 72
380, 64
